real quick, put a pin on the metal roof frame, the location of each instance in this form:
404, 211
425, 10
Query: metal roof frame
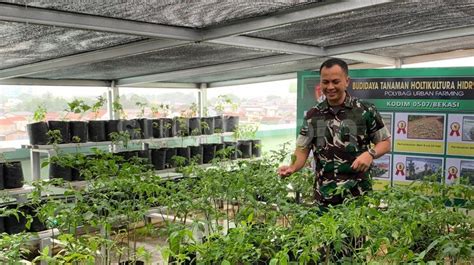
165, 36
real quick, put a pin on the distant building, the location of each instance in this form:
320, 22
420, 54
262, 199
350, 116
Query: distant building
12, 124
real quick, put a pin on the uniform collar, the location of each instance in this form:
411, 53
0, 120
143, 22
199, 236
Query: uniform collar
347, 103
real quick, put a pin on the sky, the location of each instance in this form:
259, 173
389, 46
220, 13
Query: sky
466, 61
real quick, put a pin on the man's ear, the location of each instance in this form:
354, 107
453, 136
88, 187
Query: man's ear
348, 80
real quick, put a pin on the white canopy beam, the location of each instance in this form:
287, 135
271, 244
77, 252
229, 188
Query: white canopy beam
262, 79
438, 56
46, 82
264, 44
167, 85
367, 58
278, 20
210, 69
291, 48
90, 22
401, 40
89, 57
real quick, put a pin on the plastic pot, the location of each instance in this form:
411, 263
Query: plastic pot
219, 148
256, 148
133, 128
58, 171
196, 154
184, 152
158, 128
97, 131
169, 129
2, 224
218, 124
63, 128
2, 178
230, 123
181, 126
209, 129
208, 152
36, 225
145, 155
195, 126
13, 175
79, 129
233, 149
76, 175
146, 128
14, 225
128, 155
112, 126
170, 153
245, 148
38, 133
158, 158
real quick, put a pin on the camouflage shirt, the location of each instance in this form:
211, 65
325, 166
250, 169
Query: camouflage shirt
337, 136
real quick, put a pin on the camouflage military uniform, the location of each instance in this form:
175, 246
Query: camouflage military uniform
337, 136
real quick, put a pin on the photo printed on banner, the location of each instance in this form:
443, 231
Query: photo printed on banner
460, 135
419, 133
468, 128
426, 127
411, 168
387, 120
459, 170
381, 167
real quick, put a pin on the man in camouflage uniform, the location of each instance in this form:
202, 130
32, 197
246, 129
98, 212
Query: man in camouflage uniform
339, 131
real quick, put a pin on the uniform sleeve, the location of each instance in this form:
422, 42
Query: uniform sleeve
377, 130
305, 137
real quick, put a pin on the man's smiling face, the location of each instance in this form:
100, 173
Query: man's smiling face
334, 82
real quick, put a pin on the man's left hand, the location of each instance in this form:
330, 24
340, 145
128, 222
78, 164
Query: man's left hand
362, 162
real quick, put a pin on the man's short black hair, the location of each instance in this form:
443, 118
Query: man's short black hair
335, 61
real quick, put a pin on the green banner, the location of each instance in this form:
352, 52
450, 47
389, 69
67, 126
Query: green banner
430, 112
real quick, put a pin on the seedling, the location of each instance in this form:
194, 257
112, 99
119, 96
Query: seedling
118, 107
77, 106
223, 102
160, 110
95, 108
142, 107
40, 113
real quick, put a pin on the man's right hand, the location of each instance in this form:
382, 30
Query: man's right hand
285, 171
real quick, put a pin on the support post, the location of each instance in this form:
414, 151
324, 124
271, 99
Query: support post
35, 165
202, 98
112, 96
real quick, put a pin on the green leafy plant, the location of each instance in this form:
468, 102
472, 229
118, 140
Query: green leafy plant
183, 126
142, 107
243, 210
77, 106
224, 101
55, 137
98, 105
161, 110
122, 137
118, 107
40, 113
13, 248
245, 131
